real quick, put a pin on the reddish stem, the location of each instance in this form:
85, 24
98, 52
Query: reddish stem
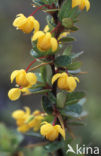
55, 119
38, 8
58, 25
33, 63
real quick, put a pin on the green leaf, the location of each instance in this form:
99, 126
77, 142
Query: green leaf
74, 71
53, 146
38, 151
67, 51
74, 65
47, 105
9, 139
49, 118
67, 11
39, 90
76, 123
74, 97
74, 28
67, 39
61, 99
62, 61
77, 55
35, 54
75, 110
39, 78
43, 71
34, 134
51, 97
37, 2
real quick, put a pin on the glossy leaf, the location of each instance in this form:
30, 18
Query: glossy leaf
74, 65
62, 61
77, 55
74, 97
67, 11
67, 39
67, 51
47, 105
53, 146
43, 71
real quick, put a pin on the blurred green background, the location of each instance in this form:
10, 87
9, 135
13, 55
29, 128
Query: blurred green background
14, 54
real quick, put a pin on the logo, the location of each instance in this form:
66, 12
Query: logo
82, 150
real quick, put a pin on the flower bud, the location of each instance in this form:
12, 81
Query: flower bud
14, 94
67, 23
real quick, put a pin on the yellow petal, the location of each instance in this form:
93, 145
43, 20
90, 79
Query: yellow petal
55, 77
19, 20
31, 77
46, 29
13, 75
87, 4
23, 128
54, 44
14, 94
37, 35
60, 130
82, 5
36, 26
27, 110
25, 90
77, 79
76, 3
18, 114
71, 83
64, 34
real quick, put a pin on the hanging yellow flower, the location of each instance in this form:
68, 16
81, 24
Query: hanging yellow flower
65, 82
45, 41
23, 79
81, 3
15, 93
26, 24
51, 132
21, 116
25, 120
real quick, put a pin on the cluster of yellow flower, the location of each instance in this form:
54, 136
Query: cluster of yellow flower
45, 41
24, 80
26, 121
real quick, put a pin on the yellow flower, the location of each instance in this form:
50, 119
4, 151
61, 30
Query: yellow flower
51, 132
62, 35
45, 41
36, 122
65, 82
46, 29
81, 3
25, 121
14, 94
21, 116
23, 79
26, 24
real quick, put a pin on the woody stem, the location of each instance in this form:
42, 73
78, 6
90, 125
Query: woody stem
55, 119
42, 64
38, 8
58, 25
